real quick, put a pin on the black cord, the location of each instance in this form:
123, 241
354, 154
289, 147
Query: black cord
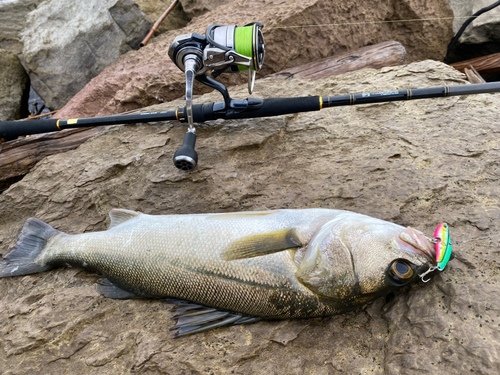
208, 35
464, 26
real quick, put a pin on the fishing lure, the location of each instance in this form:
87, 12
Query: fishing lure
442, 242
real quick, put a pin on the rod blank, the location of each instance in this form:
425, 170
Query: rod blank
392, 96
251, 108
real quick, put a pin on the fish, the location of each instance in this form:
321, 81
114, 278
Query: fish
223, 269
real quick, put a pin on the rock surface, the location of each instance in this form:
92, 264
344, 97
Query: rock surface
13, 81
416, 163
482, 36
195, 8
155, 8
67, 43
13, 15
481, 30
147, 77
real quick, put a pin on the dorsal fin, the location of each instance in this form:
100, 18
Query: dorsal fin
120, 215
262, 244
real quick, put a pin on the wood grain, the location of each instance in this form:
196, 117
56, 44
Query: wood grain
484, 65
376, 56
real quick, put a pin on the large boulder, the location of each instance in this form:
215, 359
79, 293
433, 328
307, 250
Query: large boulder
416, 163
67, 43
147, 77
13, 15
13, 86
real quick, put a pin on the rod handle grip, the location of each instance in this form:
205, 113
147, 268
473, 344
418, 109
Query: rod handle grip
12, 129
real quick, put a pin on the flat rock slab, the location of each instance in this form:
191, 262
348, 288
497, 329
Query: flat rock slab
194, 8
416, 163
67, 43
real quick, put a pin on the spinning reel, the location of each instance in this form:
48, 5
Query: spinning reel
223, 49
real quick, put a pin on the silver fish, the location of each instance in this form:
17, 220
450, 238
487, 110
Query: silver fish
235, 267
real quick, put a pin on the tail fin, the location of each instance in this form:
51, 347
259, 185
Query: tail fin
32, 240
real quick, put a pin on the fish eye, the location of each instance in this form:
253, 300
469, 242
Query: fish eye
401, 271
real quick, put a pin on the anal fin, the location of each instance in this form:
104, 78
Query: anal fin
110, 290
262, 244
194, 318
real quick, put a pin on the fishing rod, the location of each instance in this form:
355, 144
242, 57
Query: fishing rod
229, 49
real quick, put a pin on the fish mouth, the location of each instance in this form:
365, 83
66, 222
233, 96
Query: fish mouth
416, 242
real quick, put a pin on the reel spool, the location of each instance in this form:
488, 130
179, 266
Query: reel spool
246, 41
223, 49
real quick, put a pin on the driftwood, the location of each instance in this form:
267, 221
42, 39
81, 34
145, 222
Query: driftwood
19, 156
484, 65
473, 76
158, 23
377, 56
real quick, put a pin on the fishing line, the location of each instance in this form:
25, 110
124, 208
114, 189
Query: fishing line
367, 22
475, 239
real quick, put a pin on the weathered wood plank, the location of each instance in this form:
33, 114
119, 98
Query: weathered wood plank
377, 56
19, 156
473, 76
484, 65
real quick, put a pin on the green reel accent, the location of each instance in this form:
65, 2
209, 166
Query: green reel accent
245, 40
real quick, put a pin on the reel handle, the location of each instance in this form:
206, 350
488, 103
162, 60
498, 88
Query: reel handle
186, 158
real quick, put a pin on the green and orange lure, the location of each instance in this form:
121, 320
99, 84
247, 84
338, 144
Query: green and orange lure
442, 242
443, 245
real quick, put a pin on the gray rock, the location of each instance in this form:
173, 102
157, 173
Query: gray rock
462, 9
484, 29
67, 43
416, 163
13, 17
13, 81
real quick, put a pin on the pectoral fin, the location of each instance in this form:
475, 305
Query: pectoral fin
262, 244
